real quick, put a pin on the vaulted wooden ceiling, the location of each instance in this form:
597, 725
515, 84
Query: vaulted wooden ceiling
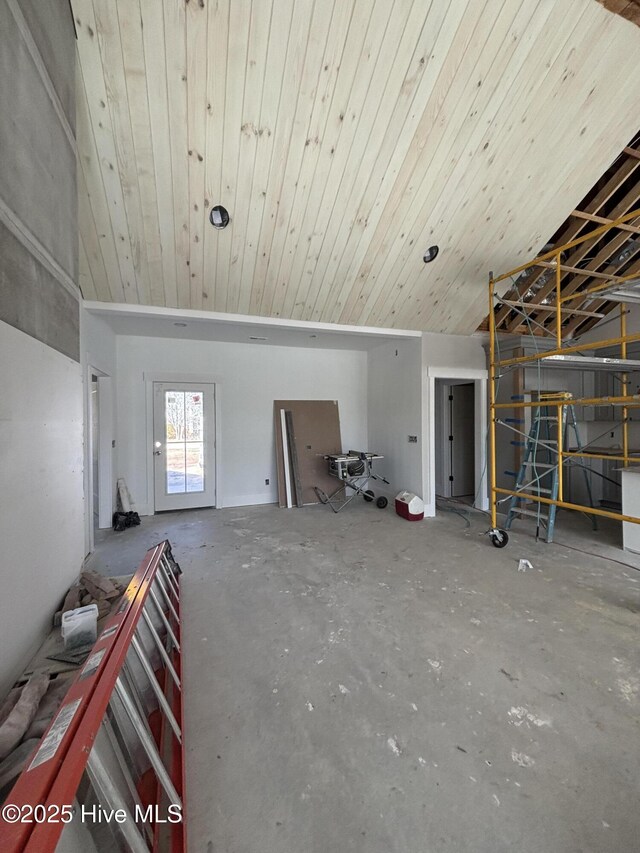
344, 137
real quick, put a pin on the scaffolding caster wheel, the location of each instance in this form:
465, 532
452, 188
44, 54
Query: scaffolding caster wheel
382, 502
498, 537
368, 496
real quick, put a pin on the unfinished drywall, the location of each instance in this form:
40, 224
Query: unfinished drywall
41, 524
38, 202
41, 463
395, 413
314, 432
249, 378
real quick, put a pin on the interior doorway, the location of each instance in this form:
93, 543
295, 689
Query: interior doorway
99, 448
455, 468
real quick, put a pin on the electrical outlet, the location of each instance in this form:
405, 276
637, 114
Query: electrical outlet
266, 482
413, 439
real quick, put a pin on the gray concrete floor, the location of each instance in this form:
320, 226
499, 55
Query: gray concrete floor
355, 682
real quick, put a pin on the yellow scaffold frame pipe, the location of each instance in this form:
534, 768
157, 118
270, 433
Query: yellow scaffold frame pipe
562, 308
492, 404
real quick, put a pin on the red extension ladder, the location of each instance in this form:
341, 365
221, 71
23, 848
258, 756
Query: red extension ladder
109, 772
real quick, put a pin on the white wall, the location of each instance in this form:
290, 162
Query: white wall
97, 343
402, 402
250, 377
609, 327
453, 351
395, 412
453, 357
41, 519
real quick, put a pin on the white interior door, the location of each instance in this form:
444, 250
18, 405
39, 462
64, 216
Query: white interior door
184, 445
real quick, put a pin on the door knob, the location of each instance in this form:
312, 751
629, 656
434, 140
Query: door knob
157, 452
158, 448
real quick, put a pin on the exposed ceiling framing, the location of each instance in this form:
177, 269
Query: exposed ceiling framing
603, 258
344, 137
629, 9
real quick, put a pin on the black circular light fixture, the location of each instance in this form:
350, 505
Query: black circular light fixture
431, 254
219, 216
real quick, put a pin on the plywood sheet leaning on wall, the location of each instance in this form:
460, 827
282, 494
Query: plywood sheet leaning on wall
317, 431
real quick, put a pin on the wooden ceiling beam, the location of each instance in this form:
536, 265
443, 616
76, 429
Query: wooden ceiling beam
603, 220
601, 258
600, 306
627, 9
552, 309
578, 271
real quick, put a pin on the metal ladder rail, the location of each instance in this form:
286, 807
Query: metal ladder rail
548, 445
533, 443
568, 422
573, 424
555, 480
174, 690
158, 741
168, 693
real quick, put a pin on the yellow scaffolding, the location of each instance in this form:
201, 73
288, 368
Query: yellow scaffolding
562, 309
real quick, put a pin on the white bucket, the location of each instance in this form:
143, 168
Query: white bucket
80, 626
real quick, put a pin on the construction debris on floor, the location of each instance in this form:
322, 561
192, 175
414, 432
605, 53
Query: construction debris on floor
27, 711
24, 717
125, 516
92, 588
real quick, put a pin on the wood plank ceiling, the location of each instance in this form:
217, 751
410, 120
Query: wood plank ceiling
529, 306
344, 137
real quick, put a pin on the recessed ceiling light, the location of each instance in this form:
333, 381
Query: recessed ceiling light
219, 216
431, 254
253, 338
182, 325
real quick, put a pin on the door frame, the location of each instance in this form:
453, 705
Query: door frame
105, 454
149, 378
443, 451
479, 379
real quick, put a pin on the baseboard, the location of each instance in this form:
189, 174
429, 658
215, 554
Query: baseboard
248, 500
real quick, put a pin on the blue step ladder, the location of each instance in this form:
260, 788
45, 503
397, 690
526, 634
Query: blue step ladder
538, 474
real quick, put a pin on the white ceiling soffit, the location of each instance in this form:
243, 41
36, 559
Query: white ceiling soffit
344, 137
233, 328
